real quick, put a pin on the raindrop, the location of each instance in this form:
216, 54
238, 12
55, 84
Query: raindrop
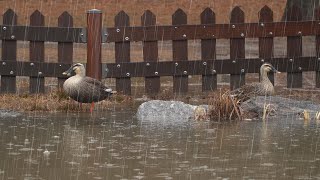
31, 64
242, 70
118, 30
262, 60
4, 28
118, 65
128, 74
214, 71
11, 72
233, 26
185, 72
204, 63
262, 24
39, 73
233, 61
184, 35
155, 73
3, 63
176, 64
147, 64
242, 34
12, 36
126, 38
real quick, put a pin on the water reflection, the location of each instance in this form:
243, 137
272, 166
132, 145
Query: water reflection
115, 145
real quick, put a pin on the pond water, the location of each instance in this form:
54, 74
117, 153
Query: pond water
116, 145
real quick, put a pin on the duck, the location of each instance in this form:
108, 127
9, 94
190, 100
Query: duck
262, 88
84, 89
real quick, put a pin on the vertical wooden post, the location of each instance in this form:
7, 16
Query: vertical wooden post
180, 53
208, 51
9, 53
122, 53
237, 48
317, 18
294, 48
65, 49
266, 43
150, 53
36, 54
94, 39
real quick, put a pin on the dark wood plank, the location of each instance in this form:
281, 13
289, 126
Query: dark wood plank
36, 54
237, 48
317, 17
122, 54
266, 43
195, 67
221, 31
94, 40
65, 49
208, 51
150, 54
294, 48
180, 52
9, 53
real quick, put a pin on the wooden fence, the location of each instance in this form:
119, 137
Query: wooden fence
150, 33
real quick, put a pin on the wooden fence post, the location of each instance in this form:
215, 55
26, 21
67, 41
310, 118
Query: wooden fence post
94, 39
36, 55
266, 43
122, 54
237, 48
180, 53
9, 53
208, 51
65, 49
317, 18
150, 53
294, 48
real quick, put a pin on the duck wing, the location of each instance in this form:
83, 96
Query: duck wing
246, 91
96, 85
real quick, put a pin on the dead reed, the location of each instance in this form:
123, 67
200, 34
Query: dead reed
54, 102
222, 107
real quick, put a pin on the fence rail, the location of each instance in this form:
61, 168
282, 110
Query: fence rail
122, 34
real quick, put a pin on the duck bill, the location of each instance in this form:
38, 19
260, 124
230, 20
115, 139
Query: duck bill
68, 72
275, 70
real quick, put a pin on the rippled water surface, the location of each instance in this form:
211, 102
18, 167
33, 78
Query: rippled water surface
115, 145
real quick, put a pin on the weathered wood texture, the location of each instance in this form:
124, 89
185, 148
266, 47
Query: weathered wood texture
36, 50
94, 40
294, 48
122, 54
237, 48
208, 51
65, 49
266, 43
9, 53
150, 54
180, 53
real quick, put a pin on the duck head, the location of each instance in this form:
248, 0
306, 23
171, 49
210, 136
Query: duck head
267, 67
77, 68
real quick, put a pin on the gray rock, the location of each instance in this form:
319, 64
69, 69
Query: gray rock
282, 106
4, 113
158, 110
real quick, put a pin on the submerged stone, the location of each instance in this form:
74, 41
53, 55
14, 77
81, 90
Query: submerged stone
280, 106
4, 113
174, 111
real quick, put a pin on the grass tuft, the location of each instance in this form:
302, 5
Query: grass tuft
222, 107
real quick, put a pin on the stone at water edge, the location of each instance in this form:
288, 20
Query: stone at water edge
4, 113
156, 110
282, 106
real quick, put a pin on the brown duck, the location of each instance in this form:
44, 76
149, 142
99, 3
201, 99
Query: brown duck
262, 88
85, 89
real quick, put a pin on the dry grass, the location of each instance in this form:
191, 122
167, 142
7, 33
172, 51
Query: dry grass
55, 101
222, 107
